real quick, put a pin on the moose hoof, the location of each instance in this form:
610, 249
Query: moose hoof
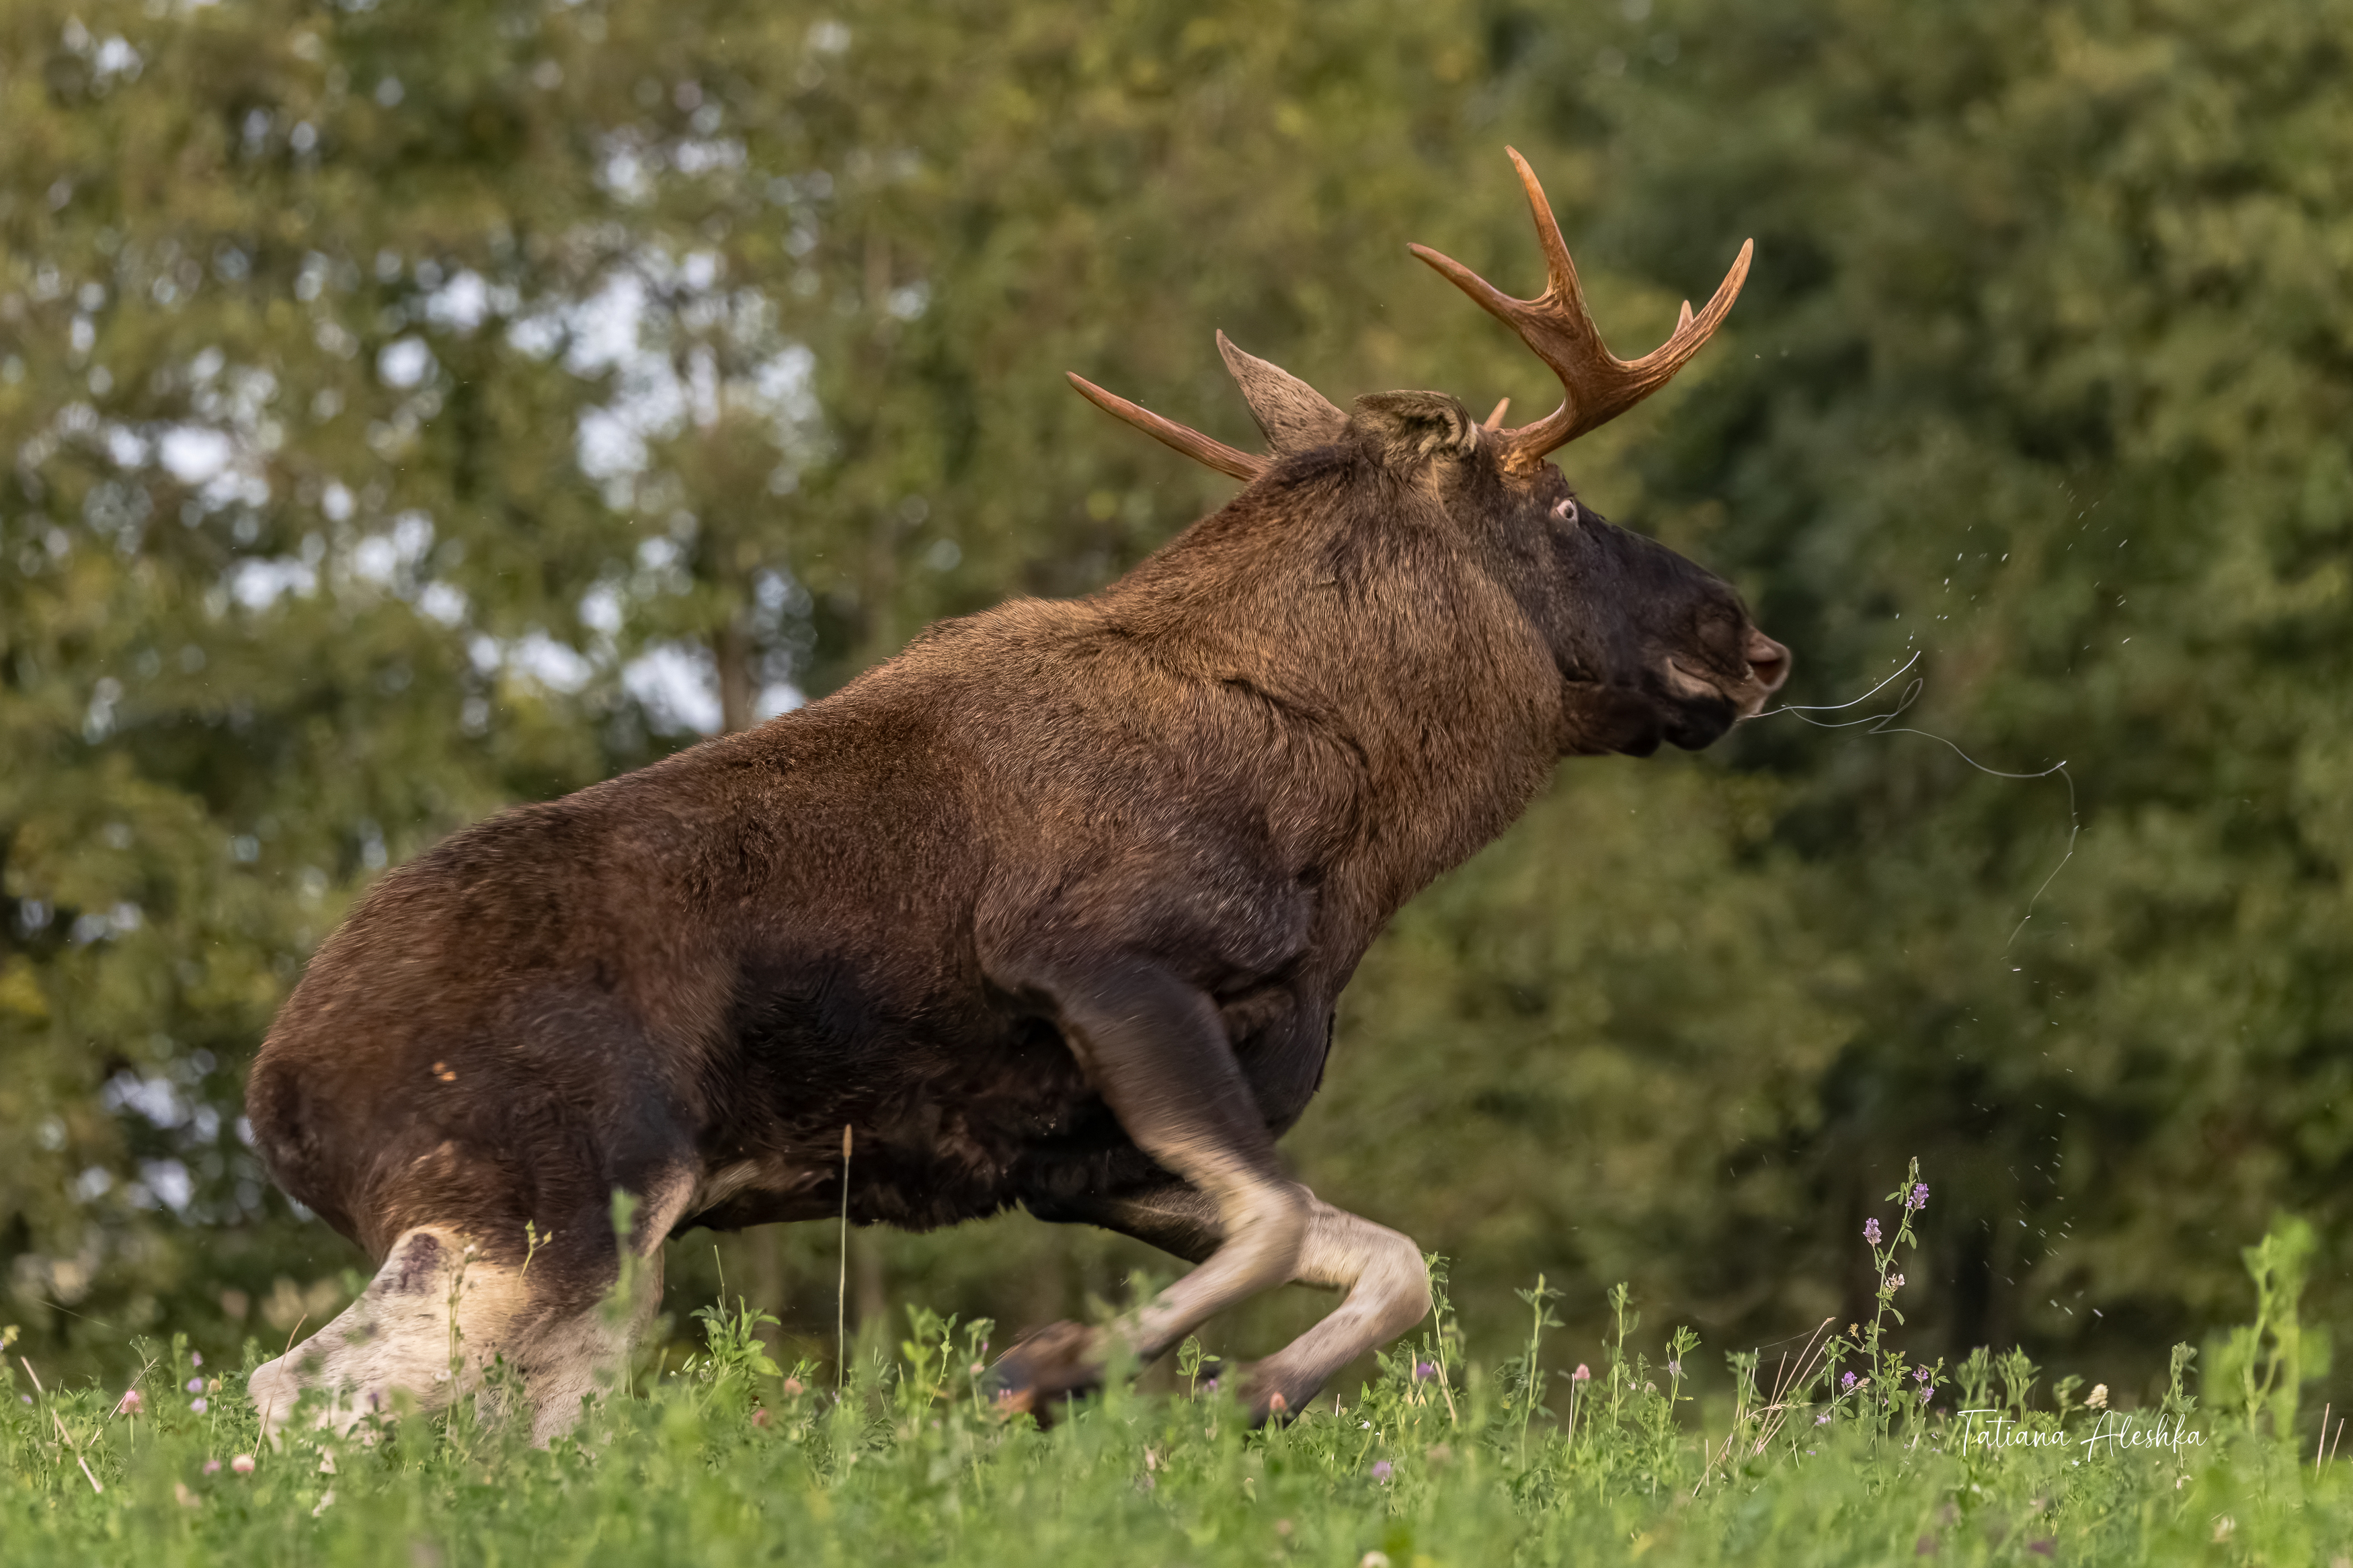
1269, 1404
1047, 1369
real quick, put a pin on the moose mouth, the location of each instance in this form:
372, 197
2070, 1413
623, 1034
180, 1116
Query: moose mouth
1747, 698
1769, 667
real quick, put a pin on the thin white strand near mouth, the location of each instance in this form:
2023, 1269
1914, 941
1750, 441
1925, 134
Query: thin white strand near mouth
1835, 706
1885, 724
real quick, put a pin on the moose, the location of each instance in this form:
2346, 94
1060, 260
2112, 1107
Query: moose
1051, 909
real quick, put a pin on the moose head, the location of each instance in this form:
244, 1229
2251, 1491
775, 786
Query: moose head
1649, 646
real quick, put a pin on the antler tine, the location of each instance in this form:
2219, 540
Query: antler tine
1201, 448
1595, 384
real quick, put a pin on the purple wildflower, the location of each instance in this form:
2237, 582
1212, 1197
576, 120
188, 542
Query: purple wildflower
1925, 1393
131, 1404
1824, 1420
1423, 1371
1674, 1369
1847, 1382
1870, 1230
195, 1358
1383, 1470
212, 1467
1919, 1198
197, 1404
195, 1385
1896, 1282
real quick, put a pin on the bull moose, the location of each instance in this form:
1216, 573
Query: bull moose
1051, 909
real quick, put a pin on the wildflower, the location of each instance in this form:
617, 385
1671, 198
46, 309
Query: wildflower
1870, 1230
1583, 1373
1674, 1369
1919, 1374
793, 1387
1896, 1282
1383, 1470
1919, 1198
242, 1464
2098, 1398
1824, 1420
197, 1404
1423, 1371
1275, 1405
212, 1467
1847, 1383
195, 1385
195, 1358
131, 1403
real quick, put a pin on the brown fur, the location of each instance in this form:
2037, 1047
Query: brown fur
1052, 908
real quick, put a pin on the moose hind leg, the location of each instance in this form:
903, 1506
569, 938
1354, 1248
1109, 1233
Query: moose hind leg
440, 1315
418, 1337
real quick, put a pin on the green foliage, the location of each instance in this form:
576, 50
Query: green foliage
2259, 1368
726, 1458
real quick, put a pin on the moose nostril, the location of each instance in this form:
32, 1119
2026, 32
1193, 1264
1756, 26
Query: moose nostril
1768, 660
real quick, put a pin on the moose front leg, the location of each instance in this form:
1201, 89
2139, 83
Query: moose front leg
1382, 1272
1155, 1048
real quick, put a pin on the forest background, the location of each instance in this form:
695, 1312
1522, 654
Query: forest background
407, 409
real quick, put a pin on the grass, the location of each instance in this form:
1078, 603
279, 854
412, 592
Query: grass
1440, 1460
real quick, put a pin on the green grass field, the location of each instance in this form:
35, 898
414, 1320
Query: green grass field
1442, 1458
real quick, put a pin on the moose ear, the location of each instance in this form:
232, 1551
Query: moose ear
1412, 427
1295, 416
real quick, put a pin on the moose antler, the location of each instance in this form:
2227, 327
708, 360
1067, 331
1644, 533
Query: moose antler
1184, 439
1596, 386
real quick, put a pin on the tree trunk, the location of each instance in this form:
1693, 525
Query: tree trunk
731, 650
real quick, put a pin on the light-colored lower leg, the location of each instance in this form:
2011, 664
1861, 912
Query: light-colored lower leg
436, 1317
1265, 1227
1387, 1287
567, 1360
1251, 1235
1386, 1282
420, 1336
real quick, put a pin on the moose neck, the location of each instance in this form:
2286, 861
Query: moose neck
1355, 604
